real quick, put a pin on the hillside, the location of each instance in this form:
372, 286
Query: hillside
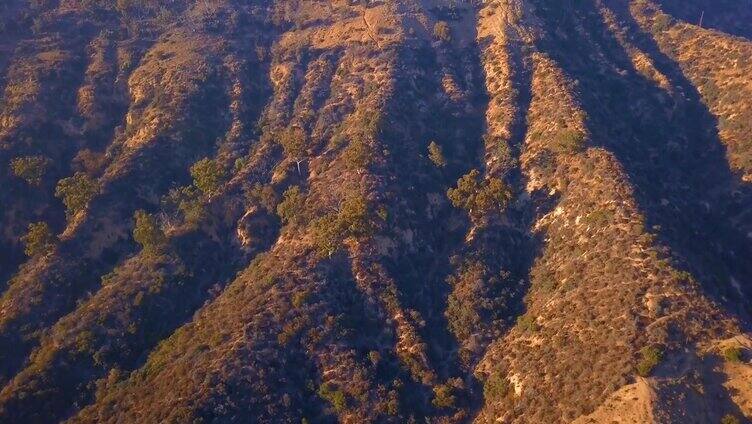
309, 211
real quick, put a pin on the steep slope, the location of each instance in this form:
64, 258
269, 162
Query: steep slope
384, 211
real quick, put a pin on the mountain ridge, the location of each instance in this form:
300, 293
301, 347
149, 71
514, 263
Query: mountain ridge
382, 211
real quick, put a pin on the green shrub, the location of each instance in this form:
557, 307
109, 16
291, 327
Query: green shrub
208, 176
357, 156
38, 239
291, 206
661, 23
76, 191
300, 298
294, 144
527, 323
148, 233
480, 198
442, 31
650, 358
352, 220
331, 394
569, 141
436, 155
30, 168
733, 354
353, 217
496, 386
325, 234
729, 419
443, 396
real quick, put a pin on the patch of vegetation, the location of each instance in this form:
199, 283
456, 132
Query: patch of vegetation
651, 356
38, 239
569, 141
357, 156
300, 298
330, 393
496, 386
600, 217
480, 198
443, 396
76, 191
375, 357
436, 155
294, 144
352, 220
733, 354
30, 168
527, 323
148, 233
442, 31
661, 23
291, 206
730, 419
208, 176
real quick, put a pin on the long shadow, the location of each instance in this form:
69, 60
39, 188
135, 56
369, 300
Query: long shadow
729, 16
506, 246
668, 146
511, 245
364, 331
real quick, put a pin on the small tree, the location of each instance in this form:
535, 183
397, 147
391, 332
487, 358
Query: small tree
294, 144
436, 155
208, 175
291, 205
442, 31
353, 218
479, 198
333, 395
569, 141
729, 419
30, 168
496, 386
326, 234
651, 357
148, 233
733, 354
443, 396
76, 191
38, 239
357, 155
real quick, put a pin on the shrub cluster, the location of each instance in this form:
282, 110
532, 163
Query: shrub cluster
38, 240
148, 233
76, 191
30, 168
479, 198
651, 357
436, 154
352, 220
442, 32
208, 176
